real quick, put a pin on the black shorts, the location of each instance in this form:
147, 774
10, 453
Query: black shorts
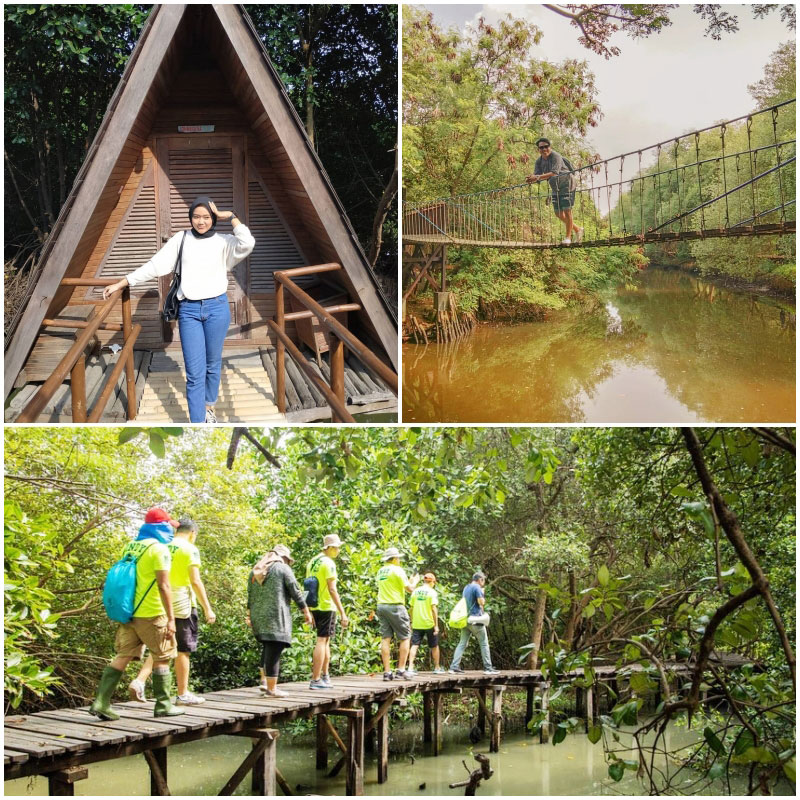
186, 633
325, 623
418, 634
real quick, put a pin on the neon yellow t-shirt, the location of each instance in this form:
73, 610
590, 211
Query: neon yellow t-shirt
392, 580
322, 568
423, 599
155, 559
184, 555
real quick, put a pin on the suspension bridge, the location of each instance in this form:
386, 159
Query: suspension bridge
735, 178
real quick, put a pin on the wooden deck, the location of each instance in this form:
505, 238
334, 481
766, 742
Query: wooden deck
60, 743
246, 393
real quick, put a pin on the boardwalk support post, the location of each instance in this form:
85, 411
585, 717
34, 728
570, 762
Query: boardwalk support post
157, 761
544, 730
262, 760
530, 692
482, 710
354, 779
496, 719
436, 708
322, 742
382, 728
63, 782
427, 709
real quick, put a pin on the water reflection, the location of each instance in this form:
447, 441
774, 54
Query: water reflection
671, 348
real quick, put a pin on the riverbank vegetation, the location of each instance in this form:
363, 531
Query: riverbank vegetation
627, 546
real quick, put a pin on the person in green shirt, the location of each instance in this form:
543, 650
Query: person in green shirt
424, 608
391, 612
187, 589
323, 568
153, 622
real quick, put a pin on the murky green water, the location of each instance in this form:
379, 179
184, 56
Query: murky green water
672, 348
523, 767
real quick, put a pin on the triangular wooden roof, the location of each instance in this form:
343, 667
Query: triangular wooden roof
145, 83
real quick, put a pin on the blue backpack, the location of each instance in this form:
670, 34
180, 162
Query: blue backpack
119, 591
311, 586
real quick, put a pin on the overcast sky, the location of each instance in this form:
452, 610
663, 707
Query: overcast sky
670, 83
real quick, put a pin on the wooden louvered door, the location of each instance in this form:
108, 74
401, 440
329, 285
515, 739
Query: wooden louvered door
204, 165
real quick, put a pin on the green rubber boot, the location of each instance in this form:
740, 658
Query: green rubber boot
162, 689
105, 689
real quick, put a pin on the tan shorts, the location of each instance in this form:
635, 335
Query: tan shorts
141, 632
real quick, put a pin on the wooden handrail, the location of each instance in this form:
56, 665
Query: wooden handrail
338, 335
73, 363
337, 405
365, 355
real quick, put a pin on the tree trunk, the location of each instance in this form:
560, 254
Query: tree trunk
574, 612
538, 625
389, 192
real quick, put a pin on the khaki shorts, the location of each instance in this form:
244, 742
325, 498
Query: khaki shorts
141, 632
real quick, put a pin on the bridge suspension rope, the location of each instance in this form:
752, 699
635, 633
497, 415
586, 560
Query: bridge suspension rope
697, 191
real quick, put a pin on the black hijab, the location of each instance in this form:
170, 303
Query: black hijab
205, 202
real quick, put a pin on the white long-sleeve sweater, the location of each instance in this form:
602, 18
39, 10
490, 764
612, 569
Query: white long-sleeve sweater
204, 264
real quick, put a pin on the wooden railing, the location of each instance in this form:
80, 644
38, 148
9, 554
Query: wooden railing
338, 335
74, 362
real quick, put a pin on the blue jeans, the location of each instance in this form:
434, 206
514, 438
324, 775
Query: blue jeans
480, 633
203, 325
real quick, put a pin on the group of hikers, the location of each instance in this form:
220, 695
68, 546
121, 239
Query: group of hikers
165, 621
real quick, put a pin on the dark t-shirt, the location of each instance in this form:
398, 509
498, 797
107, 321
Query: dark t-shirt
471, 594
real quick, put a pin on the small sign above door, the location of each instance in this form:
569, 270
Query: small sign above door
195, 129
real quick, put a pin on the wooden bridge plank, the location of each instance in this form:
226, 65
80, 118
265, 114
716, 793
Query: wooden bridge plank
136, 728
88, 732
42, 745
14, 756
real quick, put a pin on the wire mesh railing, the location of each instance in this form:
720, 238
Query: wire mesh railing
735, 178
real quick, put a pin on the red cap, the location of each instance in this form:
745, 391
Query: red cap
159, 515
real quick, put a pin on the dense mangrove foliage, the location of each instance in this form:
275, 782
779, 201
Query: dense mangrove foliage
624, 546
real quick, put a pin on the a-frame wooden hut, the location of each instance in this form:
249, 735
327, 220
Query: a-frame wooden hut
200, 110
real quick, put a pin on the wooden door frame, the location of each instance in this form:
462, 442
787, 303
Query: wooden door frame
237, 144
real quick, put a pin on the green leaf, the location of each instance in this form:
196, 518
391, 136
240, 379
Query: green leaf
743, 743
603, 575
595, 734
713, 741
157, 445
559, 735
789, 769
616, 771
717, 770
126, 434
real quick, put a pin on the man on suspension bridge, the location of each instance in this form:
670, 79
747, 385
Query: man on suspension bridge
552, 166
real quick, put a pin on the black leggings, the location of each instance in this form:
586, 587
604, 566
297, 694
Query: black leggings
271, 657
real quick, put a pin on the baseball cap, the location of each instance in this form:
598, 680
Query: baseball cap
159, 515
429, 577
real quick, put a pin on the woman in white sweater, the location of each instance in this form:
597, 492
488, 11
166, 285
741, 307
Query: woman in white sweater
204, 315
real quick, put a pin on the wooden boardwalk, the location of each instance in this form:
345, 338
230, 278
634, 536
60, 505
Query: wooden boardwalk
60, 744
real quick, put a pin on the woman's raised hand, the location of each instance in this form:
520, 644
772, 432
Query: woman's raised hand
115, 287
220, 214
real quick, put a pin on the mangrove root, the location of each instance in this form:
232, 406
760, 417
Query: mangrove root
483, 773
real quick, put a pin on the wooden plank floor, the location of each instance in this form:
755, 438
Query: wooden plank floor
245, 393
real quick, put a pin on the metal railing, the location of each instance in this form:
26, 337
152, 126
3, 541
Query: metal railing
735, 178
338, 336
74, 362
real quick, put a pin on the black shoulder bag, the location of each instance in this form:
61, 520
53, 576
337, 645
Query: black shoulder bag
171, 303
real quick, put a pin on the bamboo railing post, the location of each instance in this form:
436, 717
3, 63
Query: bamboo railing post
280, 352
130, 373
77, 382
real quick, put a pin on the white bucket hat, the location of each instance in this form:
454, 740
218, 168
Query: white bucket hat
331, 540
390, 552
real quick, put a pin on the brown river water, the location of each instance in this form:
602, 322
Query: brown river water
670, 348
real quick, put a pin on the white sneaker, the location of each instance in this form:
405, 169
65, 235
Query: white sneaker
189, 699
563, 241
211, 417
136, 691
274, 693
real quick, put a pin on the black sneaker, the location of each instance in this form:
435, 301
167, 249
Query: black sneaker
388, 676
400, 675
456, 670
